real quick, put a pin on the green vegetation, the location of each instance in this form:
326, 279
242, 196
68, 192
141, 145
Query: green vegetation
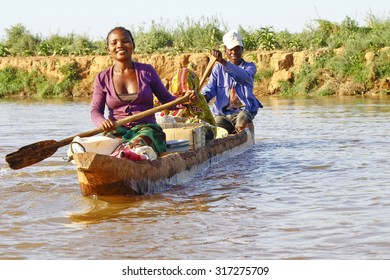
20, 42
340, 47
16, 81
204, 34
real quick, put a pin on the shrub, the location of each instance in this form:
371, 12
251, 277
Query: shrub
264, 74
21, 41
289, 41
381, 65
17, 81
71, 71
4, 51
13, 81
156, 39
201, 35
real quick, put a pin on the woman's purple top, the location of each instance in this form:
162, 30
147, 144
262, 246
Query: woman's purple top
104, 93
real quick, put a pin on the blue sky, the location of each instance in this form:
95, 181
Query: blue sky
95, 18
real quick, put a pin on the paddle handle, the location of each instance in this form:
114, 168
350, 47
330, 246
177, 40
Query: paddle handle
208, 70
36, 152
128, 119
146, 113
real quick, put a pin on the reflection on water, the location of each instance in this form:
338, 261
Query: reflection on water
314, 186
103, 209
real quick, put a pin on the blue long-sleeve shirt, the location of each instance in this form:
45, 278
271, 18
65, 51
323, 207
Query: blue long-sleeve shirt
221, 81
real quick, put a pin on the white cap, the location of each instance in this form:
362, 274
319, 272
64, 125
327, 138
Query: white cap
232, 39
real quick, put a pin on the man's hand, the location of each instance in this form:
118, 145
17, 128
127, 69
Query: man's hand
218, 55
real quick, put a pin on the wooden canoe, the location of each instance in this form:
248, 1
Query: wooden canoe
103, 175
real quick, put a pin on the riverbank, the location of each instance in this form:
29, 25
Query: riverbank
278, 71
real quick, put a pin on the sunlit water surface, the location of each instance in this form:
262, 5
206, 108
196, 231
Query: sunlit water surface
316, 185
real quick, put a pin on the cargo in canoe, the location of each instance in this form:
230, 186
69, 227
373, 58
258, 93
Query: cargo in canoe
104, 175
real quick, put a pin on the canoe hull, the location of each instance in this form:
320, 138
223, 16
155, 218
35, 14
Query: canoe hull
102, 175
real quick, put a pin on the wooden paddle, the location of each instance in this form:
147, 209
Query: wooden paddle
36, 152
207, 71
39, 151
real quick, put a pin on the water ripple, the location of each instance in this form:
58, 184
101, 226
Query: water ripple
314, 186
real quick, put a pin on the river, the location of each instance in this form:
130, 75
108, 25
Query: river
316, 185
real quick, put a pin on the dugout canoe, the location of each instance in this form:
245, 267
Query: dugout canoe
104, 175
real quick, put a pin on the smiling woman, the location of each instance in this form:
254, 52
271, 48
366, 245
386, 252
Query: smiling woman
128, 88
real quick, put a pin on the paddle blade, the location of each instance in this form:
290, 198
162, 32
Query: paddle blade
31, 154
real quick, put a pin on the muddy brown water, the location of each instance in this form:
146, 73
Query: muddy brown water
316, 185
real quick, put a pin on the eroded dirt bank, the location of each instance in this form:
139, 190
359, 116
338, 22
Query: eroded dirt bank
279, 65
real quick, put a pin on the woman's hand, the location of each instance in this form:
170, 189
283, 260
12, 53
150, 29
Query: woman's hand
193, 96
107, 125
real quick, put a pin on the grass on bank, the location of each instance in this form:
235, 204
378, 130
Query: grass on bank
14, 81
351, 72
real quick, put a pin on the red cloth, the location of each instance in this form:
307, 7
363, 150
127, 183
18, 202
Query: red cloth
233, 100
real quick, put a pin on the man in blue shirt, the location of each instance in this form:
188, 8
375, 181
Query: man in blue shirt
231, 83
